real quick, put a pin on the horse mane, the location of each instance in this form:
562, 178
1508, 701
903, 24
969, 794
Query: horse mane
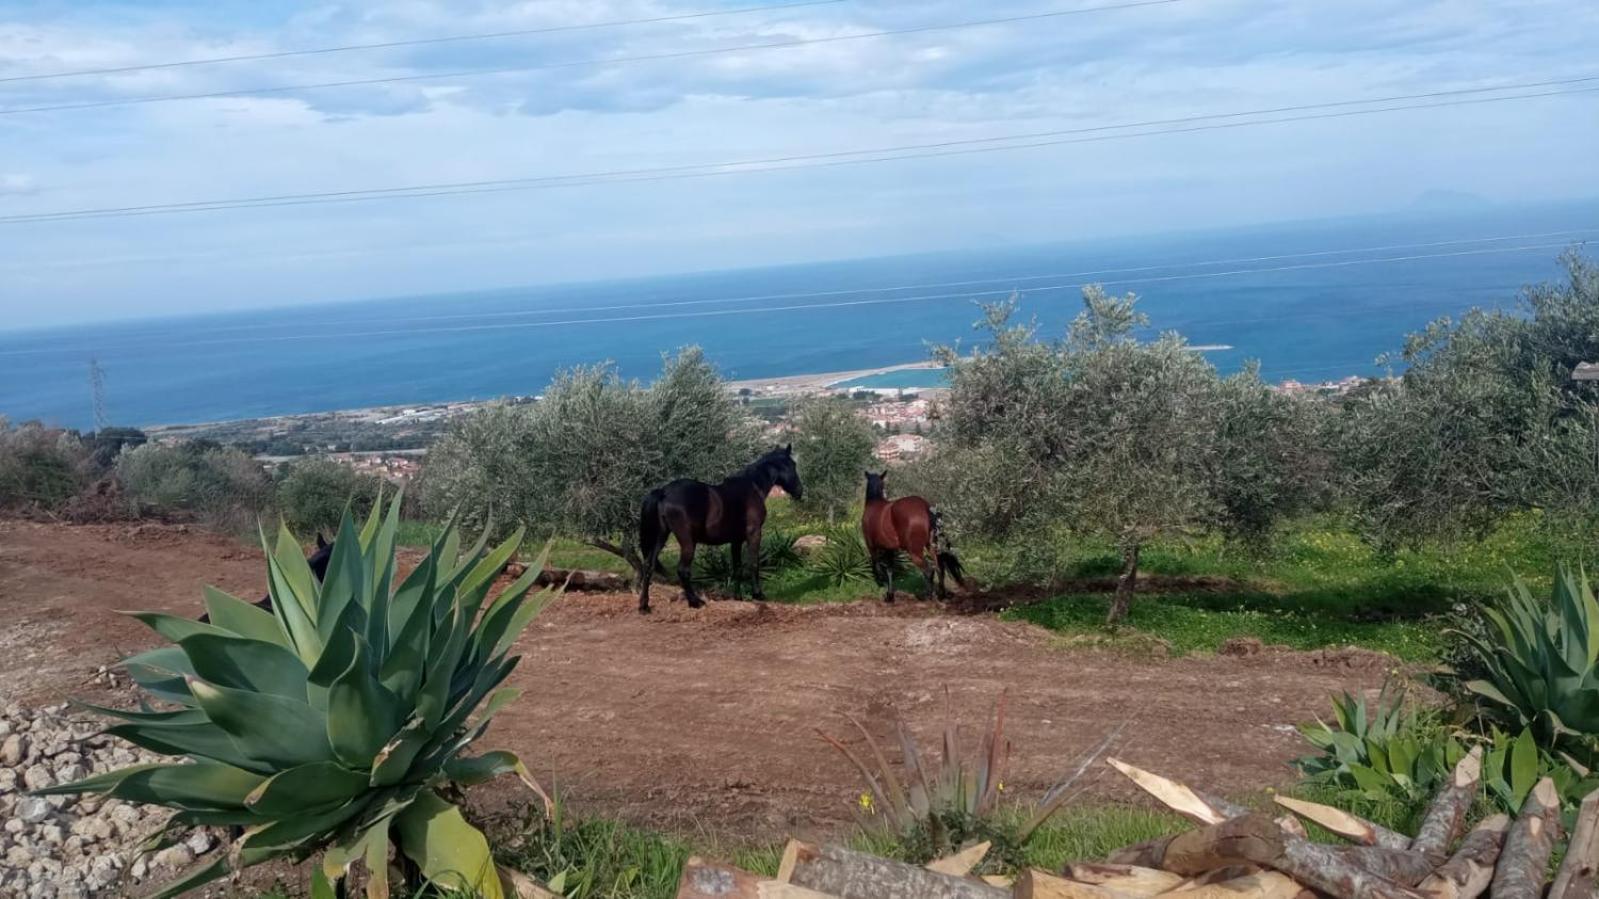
760, 471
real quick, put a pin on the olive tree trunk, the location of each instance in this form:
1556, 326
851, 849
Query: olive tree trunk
1126, 585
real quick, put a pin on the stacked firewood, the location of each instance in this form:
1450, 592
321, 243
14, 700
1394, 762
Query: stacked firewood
1234, 853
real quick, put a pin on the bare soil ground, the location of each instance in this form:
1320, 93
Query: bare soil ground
706, 720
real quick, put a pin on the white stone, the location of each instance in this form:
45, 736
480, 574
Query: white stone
174, 857
14, 749
200, 842
33, 809
38, 777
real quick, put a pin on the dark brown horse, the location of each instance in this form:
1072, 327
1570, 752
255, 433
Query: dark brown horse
319, 567
909, 525
731, 513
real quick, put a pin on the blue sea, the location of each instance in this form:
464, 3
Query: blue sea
1310, 301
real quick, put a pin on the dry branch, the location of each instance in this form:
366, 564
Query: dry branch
856, 875
1525, 858
1469, 871
1447, 814
1577, 877
1342, 823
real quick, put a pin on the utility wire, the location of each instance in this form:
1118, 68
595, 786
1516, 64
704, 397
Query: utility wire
418, 42
797, 307
1002, 284
603, 61
1094, 134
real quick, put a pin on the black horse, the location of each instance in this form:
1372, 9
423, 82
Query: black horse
318, 561
730, 513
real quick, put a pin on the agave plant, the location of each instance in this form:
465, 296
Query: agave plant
1538, 658
336, 721
1385, 751
1514, 765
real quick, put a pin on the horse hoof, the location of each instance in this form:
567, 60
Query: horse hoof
758, 597
644, 610
696, 603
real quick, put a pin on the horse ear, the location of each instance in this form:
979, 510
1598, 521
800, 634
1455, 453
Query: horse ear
788, 450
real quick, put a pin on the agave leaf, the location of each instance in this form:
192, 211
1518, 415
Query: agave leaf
272, 730
520, 619
362, 713
243, 618
202, 786
486, 767
199, 877
246, 664
346, 580
291, 612
173, 628
298, 577
414, 593
203, 740
450, 852
307, 788
162, 672
394, 760
96, 783
872, 783
321, 888
1523, 764
380, 555
377, 854
180, 716
478, 580
276, 839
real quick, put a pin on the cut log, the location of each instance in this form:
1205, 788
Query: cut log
1579, 872
1525, 858
854, 875
1402, 866
1144, 855
1446, 816
1261, 885
1258, 840
1124, 880
1291, 824
1175, 796
961, 863
1469, 871
1035, 884
1342, 823
711, 880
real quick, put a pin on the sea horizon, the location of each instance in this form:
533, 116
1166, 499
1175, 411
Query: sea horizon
1312, 300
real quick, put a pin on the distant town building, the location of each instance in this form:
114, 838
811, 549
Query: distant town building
901, 447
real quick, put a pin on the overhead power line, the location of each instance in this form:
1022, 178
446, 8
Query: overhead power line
418, 42
798, 307
1031, 140
784, 44
1000, 285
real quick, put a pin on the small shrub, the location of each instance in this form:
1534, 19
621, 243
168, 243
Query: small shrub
40, 468
312, 494
195, 479
337, 722
843, 559
938, 808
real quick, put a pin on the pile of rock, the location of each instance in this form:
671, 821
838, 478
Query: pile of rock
74, 846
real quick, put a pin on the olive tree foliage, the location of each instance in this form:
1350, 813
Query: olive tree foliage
832, 446
578, 461
1119, 439
40, 467
313, 494
200, 479
1484, 421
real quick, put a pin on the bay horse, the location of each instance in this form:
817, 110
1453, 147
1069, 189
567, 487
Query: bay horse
318, 560
910, 525
731, 513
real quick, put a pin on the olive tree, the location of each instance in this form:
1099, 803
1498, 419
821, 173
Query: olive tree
578, 461
832, 446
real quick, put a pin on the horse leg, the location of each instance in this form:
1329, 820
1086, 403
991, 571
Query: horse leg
919, 556
756, 593
736, 549
652, 558
886, 560
685, 572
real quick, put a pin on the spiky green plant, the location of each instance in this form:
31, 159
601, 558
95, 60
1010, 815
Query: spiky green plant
1387, 752
335, 721
1538, 658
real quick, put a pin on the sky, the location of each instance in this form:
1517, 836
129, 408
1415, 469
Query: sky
560, 103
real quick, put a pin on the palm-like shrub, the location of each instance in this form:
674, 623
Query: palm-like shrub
1538, 663
1389, 753
334, 721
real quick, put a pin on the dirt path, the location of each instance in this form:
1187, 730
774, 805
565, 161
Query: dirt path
706, 720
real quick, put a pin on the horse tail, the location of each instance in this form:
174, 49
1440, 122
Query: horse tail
651, 529
947, 559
